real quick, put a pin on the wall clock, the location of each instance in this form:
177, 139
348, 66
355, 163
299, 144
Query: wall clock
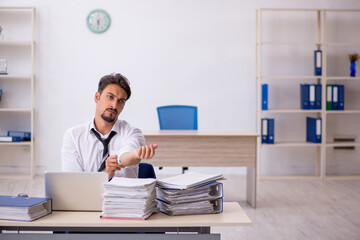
98, 21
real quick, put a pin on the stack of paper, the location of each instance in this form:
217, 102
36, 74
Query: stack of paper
190, 193
133, 198
24, 208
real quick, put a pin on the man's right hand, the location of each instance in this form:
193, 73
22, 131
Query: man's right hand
112, 165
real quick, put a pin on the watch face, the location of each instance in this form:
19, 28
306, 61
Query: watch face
98, 21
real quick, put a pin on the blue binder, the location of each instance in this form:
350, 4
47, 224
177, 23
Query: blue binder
318, 62
335, 97
271, 129
304, 94
264, 96
341, 95
264, 130
25, 136
0, 94
312, 96
29, 205
313, 130
10, 139
318, 96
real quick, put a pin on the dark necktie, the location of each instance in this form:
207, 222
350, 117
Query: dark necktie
105, 142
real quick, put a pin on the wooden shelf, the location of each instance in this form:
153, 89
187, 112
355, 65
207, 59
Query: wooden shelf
15, 176
288, 43
20, 49
292, 144
342, 78
321, 24
15, 143
288, 77
15, 109
16, 43
342, 144
342, 44
343, 112
15, 76
290, 111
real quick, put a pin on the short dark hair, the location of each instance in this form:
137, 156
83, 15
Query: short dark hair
115, 78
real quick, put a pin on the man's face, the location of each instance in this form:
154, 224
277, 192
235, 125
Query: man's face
110, 103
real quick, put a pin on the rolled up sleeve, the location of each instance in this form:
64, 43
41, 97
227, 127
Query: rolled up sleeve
134, 139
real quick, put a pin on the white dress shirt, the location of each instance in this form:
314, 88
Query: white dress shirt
83, 152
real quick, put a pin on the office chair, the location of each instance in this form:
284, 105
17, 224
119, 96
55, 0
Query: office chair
178, 117
146, 170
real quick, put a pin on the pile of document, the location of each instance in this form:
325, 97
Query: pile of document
190, 193
129, 198
24, 208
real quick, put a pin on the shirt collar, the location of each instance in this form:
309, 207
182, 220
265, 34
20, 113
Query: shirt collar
115, 128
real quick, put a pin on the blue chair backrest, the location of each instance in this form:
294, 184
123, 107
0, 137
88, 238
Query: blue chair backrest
146, 170
178, 117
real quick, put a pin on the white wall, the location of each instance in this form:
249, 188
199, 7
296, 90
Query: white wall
198, 52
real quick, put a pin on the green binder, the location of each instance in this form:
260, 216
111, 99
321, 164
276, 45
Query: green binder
329, 97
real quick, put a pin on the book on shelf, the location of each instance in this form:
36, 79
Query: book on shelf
264, 96
198, 198
267, 130
313, 130
10, 139
317, 62
24, 208
0, 93
129, 198
25, 136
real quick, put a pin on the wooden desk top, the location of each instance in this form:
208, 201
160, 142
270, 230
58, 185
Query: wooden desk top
233, 215
178, 133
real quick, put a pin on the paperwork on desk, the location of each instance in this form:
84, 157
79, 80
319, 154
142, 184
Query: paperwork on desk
24, 208
133, 198
190, 193
188, 180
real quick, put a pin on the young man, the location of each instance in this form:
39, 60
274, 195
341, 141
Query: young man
106, 143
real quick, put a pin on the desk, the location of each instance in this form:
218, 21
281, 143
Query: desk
207, 148
90, 222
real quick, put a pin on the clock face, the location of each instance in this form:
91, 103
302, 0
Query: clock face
98, 21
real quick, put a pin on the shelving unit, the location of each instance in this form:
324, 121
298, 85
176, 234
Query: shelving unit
17, 108
320, 28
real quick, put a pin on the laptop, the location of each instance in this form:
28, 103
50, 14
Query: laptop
75, 191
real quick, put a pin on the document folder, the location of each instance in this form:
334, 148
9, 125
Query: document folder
313, 130
25, 136
318, 96
341, 95
271, 129
209, 191
24, 208
264, 97
202, 207
328, 97
335, 101
304, 94
318, 62
312, 96
264, 130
